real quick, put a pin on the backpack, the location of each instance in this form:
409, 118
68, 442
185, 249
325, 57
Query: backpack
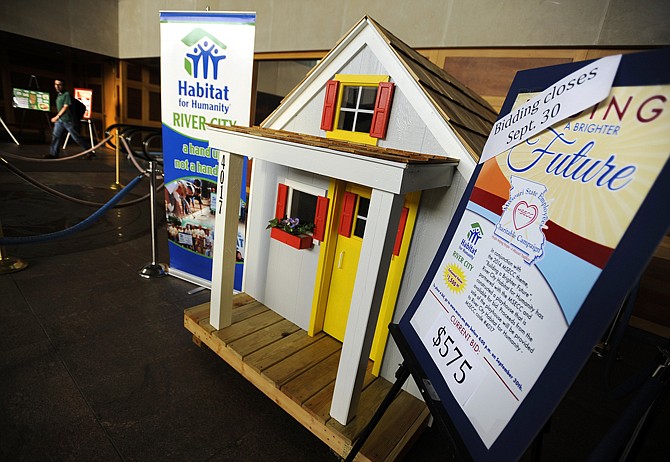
77, 110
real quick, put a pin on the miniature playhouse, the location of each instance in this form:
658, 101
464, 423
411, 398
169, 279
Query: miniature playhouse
374, 148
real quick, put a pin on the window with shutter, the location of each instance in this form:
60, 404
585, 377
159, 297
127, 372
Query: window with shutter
360, 110
306, 202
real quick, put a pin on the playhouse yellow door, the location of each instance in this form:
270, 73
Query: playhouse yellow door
347, 253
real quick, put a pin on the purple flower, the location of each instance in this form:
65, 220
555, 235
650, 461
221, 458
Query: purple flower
291, 225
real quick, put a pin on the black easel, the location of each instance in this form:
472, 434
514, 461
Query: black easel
32, 79
401, 376
624, 438
411, 367
621, 443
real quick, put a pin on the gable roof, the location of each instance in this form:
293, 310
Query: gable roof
469, 116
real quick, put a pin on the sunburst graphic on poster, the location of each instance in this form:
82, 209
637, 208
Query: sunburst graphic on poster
603, 159
455, 278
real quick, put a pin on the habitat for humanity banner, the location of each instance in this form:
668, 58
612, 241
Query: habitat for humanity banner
206, 72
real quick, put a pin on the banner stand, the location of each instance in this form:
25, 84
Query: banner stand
188, 277
206, 79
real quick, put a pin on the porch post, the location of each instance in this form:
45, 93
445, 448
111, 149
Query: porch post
225, 239
373, 265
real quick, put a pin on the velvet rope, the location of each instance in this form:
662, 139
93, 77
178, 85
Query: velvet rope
79, 226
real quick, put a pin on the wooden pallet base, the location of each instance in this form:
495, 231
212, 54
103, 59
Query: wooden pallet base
298, 373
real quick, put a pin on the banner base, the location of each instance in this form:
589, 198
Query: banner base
190, 278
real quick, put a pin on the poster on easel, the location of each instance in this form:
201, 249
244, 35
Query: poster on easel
206, 76
555, 227
85, 95
30, 99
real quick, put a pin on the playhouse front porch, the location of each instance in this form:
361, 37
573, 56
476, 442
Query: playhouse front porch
298, 373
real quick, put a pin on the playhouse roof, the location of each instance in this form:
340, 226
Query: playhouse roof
469, 116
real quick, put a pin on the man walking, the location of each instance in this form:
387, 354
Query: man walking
63, 121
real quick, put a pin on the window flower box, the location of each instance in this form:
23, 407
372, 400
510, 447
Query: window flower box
291, 232
297, 241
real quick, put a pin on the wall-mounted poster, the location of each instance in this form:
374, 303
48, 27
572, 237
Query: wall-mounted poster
85, 95
30, 99
206, 71
550, 236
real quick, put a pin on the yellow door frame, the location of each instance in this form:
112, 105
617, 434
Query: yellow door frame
327, 260
342, 279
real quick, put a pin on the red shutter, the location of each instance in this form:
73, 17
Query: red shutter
380, 118
401, 231
329, 104
282, 197
347, 214
320, 217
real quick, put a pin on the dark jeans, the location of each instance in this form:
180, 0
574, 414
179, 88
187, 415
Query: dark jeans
59, 130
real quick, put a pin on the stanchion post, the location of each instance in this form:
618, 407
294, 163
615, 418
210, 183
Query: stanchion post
9, 264
117, 183
153, 269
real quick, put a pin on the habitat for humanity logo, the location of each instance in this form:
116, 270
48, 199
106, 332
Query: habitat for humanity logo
468, 246
203, 58
206, 51
475, 233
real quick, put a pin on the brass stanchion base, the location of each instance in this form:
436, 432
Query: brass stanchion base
153, 270
11, 265
116, 186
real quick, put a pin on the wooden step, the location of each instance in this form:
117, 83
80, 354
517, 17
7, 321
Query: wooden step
298, 372
280, 350
262, 338
312, 381
302, 360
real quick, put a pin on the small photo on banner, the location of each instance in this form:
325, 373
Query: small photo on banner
190, 214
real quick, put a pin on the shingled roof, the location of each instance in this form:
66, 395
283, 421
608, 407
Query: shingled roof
363, 150
467, 113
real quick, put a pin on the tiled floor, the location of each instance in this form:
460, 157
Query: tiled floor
95, 364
